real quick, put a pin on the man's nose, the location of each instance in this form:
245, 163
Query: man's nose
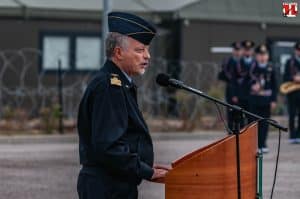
147, 54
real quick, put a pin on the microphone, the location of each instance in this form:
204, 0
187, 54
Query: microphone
165, 80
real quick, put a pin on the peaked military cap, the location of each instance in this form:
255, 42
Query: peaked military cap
236, 45
132, 26
247, 44
297, 45
261, 49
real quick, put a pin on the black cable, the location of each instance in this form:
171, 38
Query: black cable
277, 156
237, 151
278, 148
222, 119
276, 166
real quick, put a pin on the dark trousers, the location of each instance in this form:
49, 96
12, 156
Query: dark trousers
230, 114
294, 111
229, 119
245, 105
263, 127
95, 187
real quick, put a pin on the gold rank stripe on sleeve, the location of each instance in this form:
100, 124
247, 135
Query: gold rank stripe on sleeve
115, 81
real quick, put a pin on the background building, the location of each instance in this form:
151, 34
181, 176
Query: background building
193, 38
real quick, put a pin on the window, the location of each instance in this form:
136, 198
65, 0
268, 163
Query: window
282, 50
88, 53
75, 51
221, 50
56, 49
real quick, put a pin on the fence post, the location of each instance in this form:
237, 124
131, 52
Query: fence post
60, 98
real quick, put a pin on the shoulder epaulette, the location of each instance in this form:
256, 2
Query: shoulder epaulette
114, 80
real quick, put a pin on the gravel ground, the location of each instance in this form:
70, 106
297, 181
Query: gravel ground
46, 167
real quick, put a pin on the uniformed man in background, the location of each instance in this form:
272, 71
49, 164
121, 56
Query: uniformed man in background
263, 92
292, 74
226, 74
247, 53
241, 87
115, 146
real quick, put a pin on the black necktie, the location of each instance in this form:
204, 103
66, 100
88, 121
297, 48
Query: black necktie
134, 90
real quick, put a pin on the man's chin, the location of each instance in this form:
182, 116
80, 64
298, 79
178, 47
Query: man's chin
141, 72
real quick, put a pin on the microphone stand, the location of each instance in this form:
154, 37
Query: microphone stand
238, 112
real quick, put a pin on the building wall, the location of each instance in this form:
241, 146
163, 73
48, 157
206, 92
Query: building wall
25, 34
16, 33
199, 36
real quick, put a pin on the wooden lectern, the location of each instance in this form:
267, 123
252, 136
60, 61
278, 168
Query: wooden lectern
210, 172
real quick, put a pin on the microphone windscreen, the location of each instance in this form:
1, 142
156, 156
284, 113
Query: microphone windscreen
162, 79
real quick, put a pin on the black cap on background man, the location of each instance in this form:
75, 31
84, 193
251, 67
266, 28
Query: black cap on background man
261, 49
247, 44
262, 55
236, 50
236, 45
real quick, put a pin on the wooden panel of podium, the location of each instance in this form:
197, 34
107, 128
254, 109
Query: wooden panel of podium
210, 172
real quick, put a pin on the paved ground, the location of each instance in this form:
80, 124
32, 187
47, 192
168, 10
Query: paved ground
46, 167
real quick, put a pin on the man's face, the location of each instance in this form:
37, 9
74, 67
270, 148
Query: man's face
262, 58
237, 53
135, 57
297, 53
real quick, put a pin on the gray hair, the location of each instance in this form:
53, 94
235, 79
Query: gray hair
114, 40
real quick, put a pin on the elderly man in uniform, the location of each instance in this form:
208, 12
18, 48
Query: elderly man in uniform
263, 92
115, 146
292, 73
226, 74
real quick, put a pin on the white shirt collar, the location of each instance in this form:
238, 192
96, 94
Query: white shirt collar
127, 76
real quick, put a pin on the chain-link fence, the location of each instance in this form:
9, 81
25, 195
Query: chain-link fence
29, 94
164, 104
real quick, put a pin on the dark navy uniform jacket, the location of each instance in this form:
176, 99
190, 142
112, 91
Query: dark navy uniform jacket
227, 75
113, 136
266, 77
292, 67
241, 80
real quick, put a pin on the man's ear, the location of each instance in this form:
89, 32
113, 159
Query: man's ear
118, 53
